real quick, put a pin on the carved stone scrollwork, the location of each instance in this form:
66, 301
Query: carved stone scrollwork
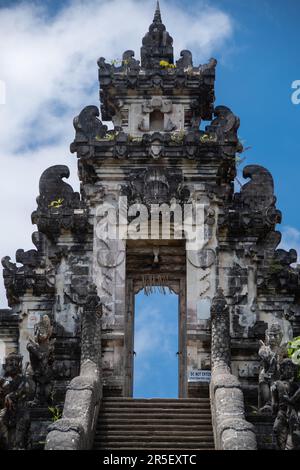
186, 60
130, 62
88, 129
225, 125
19, 279
251, 208
59, 207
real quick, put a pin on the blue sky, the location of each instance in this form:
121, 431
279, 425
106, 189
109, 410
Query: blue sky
48, 65
156, 345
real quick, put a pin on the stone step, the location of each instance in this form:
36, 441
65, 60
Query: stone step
174, 421
152, 416
165, 438
138, 445
135, 428
156, 411
154, 432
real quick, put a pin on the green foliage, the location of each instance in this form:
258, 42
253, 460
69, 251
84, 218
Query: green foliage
56, 413
293, 351
293, 346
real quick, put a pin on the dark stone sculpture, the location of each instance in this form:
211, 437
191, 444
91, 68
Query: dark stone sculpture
225, 124
59, 207
53, 188
270, 353
14, 415
41, 351
186, 60
286, 406
87, 125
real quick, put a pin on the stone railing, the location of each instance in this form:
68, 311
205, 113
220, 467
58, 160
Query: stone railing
76, 429
231, 430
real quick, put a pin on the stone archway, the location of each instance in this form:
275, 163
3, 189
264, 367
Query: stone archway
165, 263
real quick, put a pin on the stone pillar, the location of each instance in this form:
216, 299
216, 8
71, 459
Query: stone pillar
220, 332
91, 330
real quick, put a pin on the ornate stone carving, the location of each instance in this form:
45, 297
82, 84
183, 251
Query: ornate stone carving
153, 186
220, 348
130, 62
41, 350
225, 124
88, 127
253, 211
91, 327
270, 353
59, 207
19, 279
202, 259
186, 60
14, 416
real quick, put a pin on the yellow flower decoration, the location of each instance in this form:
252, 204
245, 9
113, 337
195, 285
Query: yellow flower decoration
56, 204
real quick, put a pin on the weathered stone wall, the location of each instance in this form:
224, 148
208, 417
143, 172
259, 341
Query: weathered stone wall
75, 431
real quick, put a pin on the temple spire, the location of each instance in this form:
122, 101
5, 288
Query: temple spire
157, 15
157, 44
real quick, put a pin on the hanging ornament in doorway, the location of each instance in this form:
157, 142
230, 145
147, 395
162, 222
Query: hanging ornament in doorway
155, 283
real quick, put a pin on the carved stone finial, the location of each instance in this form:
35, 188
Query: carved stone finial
54, 189
157, 15
157, 44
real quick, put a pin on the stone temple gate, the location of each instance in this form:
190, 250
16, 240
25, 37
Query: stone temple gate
232, 287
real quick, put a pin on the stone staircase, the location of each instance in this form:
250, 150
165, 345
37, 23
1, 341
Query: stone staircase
153, 424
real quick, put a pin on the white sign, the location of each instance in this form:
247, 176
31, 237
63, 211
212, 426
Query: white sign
200, 376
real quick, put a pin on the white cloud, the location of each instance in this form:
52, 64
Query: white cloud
290, 239
48, 65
